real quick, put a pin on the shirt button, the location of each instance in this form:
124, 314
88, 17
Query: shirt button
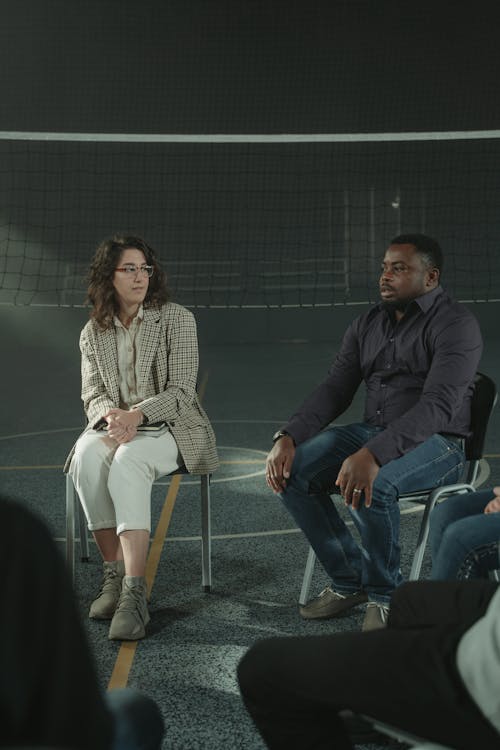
378, 411
391, 341
383, 385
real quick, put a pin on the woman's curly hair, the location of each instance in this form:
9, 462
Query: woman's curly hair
101, 293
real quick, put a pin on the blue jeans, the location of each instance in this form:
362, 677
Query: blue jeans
137, 720
463, 539
373, 567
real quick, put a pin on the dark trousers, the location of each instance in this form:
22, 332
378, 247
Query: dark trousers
405, 675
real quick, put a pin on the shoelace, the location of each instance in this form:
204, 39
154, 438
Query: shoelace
329, 590
383, 610
131, 599
110, 581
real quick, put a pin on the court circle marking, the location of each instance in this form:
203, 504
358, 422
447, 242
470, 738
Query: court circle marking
254, 451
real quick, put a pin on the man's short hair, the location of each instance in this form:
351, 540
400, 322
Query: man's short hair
425, 246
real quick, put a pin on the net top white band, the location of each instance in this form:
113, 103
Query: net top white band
452, 135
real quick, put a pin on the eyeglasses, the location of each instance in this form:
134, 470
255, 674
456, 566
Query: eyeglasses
131, 270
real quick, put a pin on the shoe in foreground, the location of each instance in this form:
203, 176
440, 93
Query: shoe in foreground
376, 616
330, 603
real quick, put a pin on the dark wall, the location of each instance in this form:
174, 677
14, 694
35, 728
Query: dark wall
220, 216
248, 65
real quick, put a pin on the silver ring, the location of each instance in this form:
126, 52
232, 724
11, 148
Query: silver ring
358, 492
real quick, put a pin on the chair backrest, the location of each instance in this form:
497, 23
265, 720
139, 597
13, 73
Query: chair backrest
482, 403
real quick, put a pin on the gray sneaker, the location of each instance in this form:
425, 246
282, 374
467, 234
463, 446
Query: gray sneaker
104, 605
376, 616
330, 603
131, 616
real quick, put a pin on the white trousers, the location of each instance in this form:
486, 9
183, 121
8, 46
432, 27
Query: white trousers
114, 481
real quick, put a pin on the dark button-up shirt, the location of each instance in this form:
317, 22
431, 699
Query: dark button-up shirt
418, 373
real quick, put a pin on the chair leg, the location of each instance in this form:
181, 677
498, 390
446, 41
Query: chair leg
74, 515
308, 574
84, 535
70, 526
423, 532
206, 534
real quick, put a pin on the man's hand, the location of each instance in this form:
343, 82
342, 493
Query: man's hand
279, 463
122, 425
494, 505
356, 476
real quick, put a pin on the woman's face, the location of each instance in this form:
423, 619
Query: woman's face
131, 287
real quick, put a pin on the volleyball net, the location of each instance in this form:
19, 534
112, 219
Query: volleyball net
248, 221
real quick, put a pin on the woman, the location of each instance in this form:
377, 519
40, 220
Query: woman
139, 367
464, 535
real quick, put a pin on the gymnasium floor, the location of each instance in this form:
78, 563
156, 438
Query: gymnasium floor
195, 640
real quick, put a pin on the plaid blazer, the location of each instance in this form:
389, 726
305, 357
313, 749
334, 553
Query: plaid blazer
168, 367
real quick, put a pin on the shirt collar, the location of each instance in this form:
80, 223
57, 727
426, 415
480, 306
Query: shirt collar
425, 301
138, 318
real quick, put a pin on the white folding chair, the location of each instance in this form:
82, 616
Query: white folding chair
75, 514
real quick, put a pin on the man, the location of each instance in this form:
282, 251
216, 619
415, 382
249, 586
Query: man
433, 673
417, 352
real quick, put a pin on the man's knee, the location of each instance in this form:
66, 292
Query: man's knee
384, 491
315, 468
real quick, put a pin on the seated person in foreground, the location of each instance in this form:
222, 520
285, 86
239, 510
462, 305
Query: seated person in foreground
49, 693
464, 535
139, 366
434, 672
417, 352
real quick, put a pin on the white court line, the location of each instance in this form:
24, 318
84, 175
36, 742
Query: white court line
253, 534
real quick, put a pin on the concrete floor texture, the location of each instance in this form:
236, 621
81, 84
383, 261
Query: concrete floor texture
195, 639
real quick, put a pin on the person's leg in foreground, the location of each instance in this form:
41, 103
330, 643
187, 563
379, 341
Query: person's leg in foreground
404, 676
463, 538
49, 690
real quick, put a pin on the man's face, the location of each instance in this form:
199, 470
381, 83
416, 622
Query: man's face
405, 276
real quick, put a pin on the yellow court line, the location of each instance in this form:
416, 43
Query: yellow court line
123, 663
60, 466
491, 455
125, 658
161, 532
31, 468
